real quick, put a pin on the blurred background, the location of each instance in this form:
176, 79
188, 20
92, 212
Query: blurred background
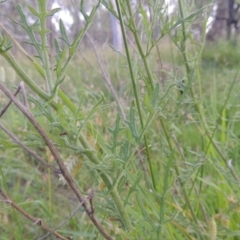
223, 20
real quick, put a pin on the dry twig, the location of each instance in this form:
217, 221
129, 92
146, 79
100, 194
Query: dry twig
10, 101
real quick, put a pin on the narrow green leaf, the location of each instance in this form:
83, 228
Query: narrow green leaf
191, 16
5, 44
29, 29
125, 151
132, 123
145, 20
43, 111
33, 11
60, 62
82, 10
155, 95
64, 35
53, 11
223, 126
134, 188
58, 82
57, 48
115, 133
209, 183
165, 28
147, 103
93, 110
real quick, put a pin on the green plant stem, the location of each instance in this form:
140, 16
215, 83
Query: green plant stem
49, 192
135, 90
139, 46
45, 51
183, 43
20, 72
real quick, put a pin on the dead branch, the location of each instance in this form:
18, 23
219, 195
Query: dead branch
10, 101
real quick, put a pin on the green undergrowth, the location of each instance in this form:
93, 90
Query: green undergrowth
171, 162
223, 54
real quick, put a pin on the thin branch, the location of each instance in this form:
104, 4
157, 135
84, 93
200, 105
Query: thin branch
57, 158
16, 140
10, 101
36, 221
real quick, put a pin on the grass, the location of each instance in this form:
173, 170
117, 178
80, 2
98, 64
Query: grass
190, 192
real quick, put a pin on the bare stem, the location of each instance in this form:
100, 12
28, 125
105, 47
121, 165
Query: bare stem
10, 101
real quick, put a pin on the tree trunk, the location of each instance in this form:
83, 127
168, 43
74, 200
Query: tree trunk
218, 28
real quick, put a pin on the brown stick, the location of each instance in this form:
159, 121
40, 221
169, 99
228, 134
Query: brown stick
36, 221
57, 158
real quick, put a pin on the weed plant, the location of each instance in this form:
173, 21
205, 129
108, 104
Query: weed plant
131, 149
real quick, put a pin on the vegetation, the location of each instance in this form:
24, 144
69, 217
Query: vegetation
138, 145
